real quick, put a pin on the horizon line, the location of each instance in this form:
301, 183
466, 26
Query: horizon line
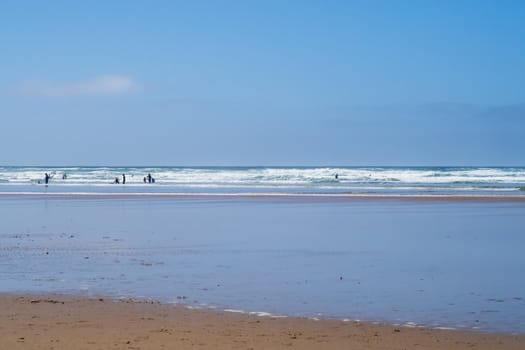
264, 166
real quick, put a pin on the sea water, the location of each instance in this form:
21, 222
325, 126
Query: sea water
281, 180
455, 264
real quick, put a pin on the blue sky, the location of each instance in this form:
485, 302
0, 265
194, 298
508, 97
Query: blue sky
262, 83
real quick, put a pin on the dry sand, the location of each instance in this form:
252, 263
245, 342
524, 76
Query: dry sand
60, 322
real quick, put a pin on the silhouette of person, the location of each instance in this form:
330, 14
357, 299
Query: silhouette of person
47, 177
117, 181
149, 178
123, 179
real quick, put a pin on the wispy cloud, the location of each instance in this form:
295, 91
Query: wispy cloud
97, 86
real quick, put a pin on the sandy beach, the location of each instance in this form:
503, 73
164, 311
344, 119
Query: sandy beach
366, 260
64, 322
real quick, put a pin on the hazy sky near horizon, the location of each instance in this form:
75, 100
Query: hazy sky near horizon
262, 83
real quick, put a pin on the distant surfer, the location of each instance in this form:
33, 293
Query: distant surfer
64, 176
149, 178
336, 176
117, 181
145, 179
123, 179
47, 177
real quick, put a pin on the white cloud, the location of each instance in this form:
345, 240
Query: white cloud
101, 85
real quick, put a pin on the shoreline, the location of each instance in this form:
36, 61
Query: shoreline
71, 322
306, 197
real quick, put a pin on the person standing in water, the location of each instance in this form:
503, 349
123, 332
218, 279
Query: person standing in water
47, 177
123, 179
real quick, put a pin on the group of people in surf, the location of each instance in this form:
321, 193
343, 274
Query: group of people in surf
117, 180
147, 179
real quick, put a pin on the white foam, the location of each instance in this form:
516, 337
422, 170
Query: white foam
410, 325
445, 328
278, 179
236, 311
261, 313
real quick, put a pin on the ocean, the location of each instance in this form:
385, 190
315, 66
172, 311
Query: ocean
371, 244
270, 180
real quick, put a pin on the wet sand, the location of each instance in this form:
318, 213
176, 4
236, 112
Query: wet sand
66, 322
272, 196
364, 259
